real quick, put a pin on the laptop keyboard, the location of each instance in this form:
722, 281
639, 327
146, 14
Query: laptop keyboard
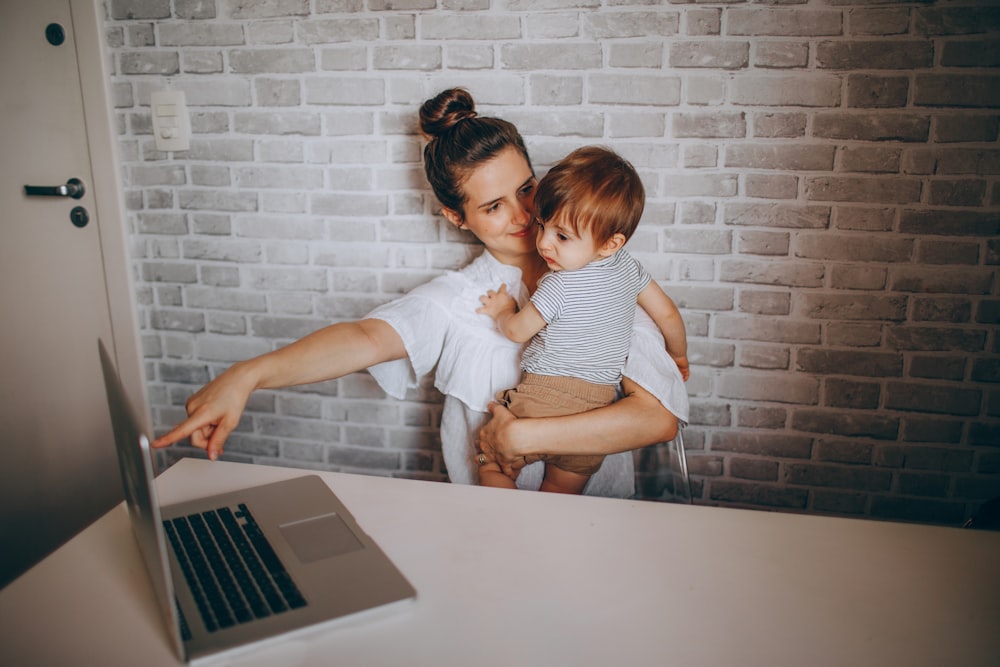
233, 572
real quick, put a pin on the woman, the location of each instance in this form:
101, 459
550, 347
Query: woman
480, 172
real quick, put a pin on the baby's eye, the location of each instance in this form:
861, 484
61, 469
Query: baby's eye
562, 237
493, 207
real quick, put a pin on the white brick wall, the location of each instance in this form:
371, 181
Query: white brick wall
824, 204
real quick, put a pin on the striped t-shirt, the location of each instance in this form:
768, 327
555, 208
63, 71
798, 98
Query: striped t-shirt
589, 314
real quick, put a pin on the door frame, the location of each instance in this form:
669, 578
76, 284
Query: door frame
109, 200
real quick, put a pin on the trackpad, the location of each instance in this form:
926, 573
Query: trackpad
320, 537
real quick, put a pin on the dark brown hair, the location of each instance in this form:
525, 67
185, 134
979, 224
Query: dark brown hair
594, 189
459, 141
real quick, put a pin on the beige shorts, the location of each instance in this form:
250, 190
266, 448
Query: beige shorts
555, 396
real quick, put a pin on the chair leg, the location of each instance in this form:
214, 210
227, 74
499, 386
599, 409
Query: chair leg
684, 492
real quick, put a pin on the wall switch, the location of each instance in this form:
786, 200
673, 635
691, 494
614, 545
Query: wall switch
171, 125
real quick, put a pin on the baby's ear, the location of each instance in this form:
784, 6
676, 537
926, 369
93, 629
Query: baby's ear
612, 245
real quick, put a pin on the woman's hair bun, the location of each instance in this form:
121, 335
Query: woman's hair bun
446, 109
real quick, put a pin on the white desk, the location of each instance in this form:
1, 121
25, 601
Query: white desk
516, 578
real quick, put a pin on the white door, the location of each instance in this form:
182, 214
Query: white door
57, 465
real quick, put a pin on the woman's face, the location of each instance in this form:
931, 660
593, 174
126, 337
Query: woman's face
499, 206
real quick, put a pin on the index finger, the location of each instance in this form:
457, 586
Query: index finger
179, 432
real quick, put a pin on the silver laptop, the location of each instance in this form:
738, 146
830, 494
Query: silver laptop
242, 567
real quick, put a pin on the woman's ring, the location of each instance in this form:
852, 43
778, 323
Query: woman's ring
481, 458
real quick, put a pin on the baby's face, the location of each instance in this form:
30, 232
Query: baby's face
563, 248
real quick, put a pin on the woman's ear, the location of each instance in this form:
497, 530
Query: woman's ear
612, 245
453, 217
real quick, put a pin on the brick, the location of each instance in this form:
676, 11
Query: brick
459, 27
941, 310
880, 190
854, 334
786, 90
271, 61
933, 398
760, 302
850, 423
960, 127
771, 186
938, 368
177, 320
779, 125
786, 22
935, 339
788, 273
470, 57
758, 494
977, 53
635, 89
755, 469
882, 126
865, 219
931, 429
874, 91
771, 330
758, 387
156, 63
764, 357
763, 156
649, 55
194, 9
302, 123
140, 9
631, 24
844, 451
875, 54
557, 90
956, 20
947, 252
762, 243
792, 216
344, 90
986, 370
836, 502
713, 54
849, 362
764, 444
761, 417
873, 160
938, 458
258, 9
200, 34
944, 280
835, 476
878, 21
949, 90
703, 21
967, 192
781, 55
949, 223
852, 276
853, 247
709, 125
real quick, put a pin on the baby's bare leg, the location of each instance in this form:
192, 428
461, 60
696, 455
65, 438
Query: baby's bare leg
490, 474
558, 480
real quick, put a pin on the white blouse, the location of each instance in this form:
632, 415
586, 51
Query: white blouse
440, 327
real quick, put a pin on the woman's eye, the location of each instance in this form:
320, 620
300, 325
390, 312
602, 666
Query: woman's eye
493, 207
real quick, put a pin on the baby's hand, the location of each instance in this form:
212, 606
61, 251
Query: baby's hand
682, 365
496, 302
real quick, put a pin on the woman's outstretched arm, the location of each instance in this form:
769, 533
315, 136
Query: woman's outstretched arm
635, 421
332, 352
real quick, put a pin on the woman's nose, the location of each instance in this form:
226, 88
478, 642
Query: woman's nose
523, 214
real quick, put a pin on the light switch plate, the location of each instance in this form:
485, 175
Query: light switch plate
171, 125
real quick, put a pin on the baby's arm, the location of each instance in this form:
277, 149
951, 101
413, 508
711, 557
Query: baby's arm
518, 326
664, 312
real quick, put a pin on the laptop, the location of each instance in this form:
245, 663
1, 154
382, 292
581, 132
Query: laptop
239, 568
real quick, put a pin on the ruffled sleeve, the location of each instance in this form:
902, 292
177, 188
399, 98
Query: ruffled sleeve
440, 327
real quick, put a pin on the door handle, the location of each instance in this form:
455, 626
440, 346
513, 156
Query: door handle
73, 188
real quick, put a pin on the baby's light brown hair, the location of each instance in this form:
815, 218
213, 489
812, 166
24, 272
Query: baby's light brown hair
593, 189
